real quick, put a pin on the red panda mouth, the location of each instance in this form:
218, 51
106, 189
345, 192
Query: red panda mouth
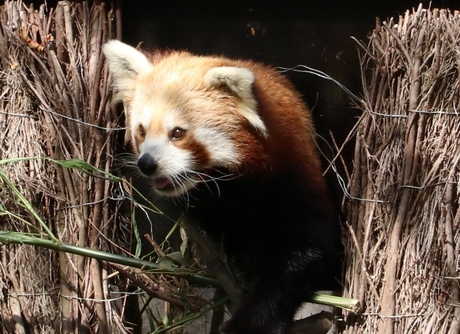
169, 188
162, 183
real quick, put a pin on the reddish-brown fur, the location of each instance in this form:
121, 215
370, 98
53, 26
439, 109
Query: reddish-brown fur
291, 145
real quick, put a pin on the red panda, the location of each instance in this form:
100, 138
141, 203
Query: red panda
232, 143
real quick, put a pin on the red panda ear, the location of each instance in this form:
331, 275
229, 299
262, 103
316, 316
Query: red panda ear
239, 80
125, 64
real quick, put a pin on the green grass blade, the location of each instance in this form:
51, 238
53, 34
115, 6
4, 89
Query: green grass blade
26, 204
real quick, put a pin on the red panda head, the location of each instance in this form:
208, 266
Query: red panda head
187, 116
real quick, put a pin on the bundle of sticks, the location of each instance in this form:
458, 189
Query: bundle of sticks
55, 105
403, 236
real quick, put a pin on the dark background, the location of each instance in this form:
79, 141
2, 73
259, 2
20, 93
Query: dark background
279, 33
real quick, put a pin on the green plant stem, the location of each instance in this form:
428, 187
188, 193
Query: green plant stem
336, 301
22, 238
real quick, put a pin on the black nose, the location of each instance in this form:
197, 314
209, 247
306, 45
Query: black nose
147, 164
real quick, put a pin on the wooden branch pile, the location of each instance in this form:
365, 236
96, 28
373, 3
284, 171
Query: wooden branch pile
403, 242
55, 103
56, 106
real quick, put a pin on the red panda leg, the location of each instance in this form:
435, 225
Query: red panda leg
285, 284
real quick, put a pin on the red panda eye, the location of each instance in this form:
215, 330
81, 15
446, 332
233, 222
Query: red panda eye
141, 130
177, 134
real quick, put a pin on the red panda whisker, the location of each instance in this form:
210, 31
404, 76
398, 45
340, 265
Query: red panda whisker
207, 178
185, 197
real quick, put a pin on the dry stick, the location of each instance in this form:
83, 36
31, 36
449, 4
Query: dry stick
100, 26
450, 198
77, 100
93, 241
118, 17
72, 313
153, 294
79, 214
93, 79
355, 211
107, 214
388, 301
338, 154
363, 269
72, 184
75, 78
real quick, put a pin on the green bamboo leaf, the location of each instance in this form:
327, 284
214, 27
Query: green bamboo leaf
86, 168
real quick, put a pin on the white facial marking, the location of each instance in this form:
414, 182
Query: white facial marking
221, 148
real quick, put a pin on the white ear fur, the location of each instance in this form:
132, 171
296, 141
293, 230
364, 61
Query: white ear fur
125, 64
239, 80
